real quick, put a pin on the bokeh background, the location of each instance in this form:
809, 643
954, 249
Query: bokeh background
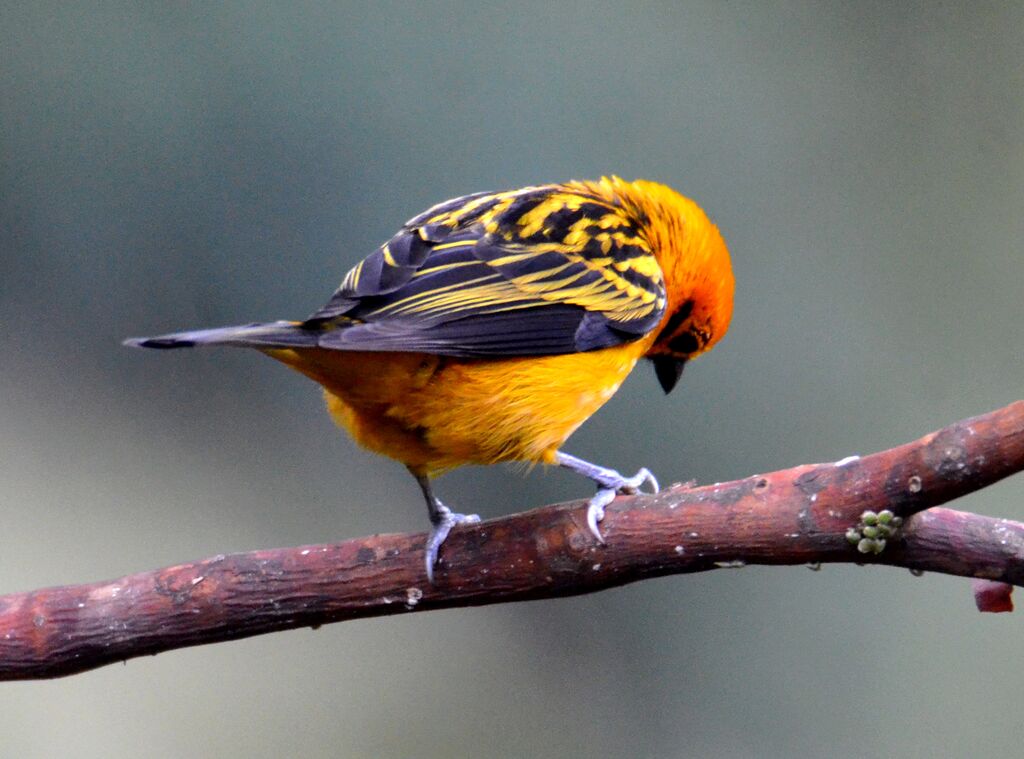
167, 166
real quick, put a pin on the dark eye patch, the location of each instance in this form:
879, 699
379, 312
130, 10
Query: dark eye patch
676, 320
684, 343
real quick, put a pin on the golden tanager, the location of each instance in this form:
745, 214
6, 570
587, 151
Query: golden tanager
492, 325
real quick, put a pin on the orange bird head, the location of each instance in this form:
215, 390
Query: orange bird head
699, 282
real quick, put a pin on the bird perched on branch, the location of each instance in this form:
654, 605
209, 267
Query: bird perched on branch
492, 325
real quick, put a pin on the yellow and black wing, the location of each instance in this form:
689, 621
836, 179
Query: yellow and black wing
537, 271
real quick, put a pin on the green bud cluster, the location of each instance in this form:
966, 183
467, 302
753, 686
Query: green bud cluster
874, 529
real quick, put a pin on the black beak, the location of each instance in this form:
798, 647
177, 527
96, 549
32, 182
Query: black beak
668, 370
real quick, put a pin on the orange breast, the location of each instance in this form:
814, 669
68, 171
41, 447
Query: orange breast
435, 413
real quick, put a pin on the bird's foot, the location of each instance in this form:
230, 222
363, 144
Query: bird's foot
443, 520
609, 484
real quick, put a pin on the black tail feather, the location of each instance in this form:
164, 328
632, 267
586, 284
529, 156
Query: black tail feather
267, 335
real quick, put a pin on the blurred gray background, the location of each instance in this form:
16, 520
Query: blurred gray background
167, 166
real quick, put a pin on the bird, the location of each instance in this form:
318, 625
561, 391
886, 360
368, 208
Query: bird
492, 325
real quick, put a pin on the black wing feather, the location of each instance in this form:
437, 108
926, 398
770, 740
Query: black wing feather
528, 272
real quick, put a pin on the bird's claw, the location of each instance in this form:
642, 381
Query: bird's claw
446, 520
635, 483
610, 486
595, 511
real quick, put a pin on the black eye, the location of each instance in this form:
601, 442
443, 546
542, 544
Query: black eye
684, 343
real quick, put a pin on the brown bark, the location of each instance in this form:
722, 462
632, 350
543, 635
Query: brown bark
794, 516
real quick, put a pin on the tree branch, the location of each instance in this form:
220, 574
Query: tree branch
794, 516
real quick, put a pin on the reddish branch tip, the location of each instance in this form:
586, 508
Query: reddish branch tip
992, 596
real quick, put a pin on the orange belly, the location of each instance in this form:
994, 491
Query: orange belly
435, 413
